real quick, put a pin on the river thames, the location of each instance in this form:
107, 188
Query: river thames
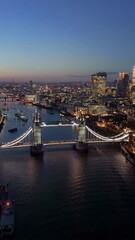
67, 195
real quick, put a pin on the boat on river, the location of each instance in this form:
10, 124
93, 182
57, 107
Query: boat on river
20, 115
12, 130
23, 118
7, 213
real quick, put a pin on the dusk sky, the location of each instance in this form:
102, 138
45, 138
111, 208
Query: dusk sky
65, 39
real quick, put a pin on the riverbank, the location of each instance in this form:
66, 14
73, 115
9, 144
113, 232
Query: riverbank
43, 106
63, 113
1, 119
127, 155
107, 132
1, 122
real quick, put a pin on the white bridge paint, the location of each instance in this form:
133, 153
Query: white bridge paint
17, 143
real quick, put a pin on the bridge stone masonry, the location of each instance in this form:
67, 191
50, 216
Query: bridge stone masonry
81, 143
36, 147
83, 136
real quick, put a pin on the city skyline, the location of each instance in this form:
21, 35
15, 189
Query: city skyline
65, 40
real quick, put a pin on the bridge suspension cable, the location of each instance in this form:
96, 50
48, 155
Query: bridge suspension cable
14, 142
116, 138
109, 139
118, 135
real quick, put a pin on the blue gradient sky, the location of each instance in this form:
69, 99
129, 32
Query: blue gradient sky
65, 39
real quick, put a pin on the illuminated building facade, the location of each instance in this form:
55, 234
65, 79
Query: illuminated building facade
132, 86
133, 75
99, 83
122, 75
111, 91
122, 84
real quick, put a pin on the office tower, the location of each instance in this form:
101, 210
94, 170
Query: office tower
31, 84
133, 75
132, 86
122, 75
122, 84
99, 83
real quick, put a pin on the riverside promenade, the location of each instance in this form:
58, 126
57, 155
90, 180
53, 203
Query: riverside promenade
1, 119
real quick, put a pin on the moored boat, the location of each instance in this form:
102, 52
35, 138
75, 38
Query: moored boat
23, 118
18, 113
7, 212
12, 130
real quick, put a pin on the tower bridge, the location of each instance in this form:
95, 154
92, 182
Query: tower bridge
83, 136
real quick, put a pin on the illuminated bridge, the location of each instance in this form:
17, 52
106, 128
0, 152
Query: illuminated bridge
82, 134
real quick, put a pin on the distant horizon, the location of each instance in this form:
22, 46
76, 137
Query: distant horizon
111, 76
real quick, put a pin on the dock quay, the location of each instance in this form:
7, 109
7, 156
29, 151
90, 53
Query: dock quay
127, 155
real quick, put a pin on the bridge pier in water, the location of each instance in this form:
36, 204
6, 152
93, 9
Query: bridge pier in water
36, 147
81, 144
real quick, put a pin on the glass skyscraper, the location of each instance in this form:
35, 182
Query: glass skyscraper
99, 83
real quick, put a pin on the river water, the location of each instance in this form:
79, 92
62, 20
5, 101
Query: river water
67, 195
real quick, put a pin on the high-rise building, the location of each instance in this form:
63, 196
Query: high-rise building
122, 75
122, 84
99, 83
133, 75
132, 86
30, 83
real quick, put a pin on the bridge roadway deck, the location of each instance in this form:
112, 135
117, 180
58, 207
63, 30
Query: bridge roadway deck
58, 124
59, 142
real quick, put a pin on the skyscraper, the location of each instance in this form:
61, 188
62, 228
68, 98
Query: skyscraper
133, 75
122, 75
99, 83
132, 86
30, 83
122, 84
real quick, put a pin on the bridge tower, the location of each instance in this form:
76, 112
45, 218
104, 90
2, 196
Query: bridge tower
36, 147
81, 143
